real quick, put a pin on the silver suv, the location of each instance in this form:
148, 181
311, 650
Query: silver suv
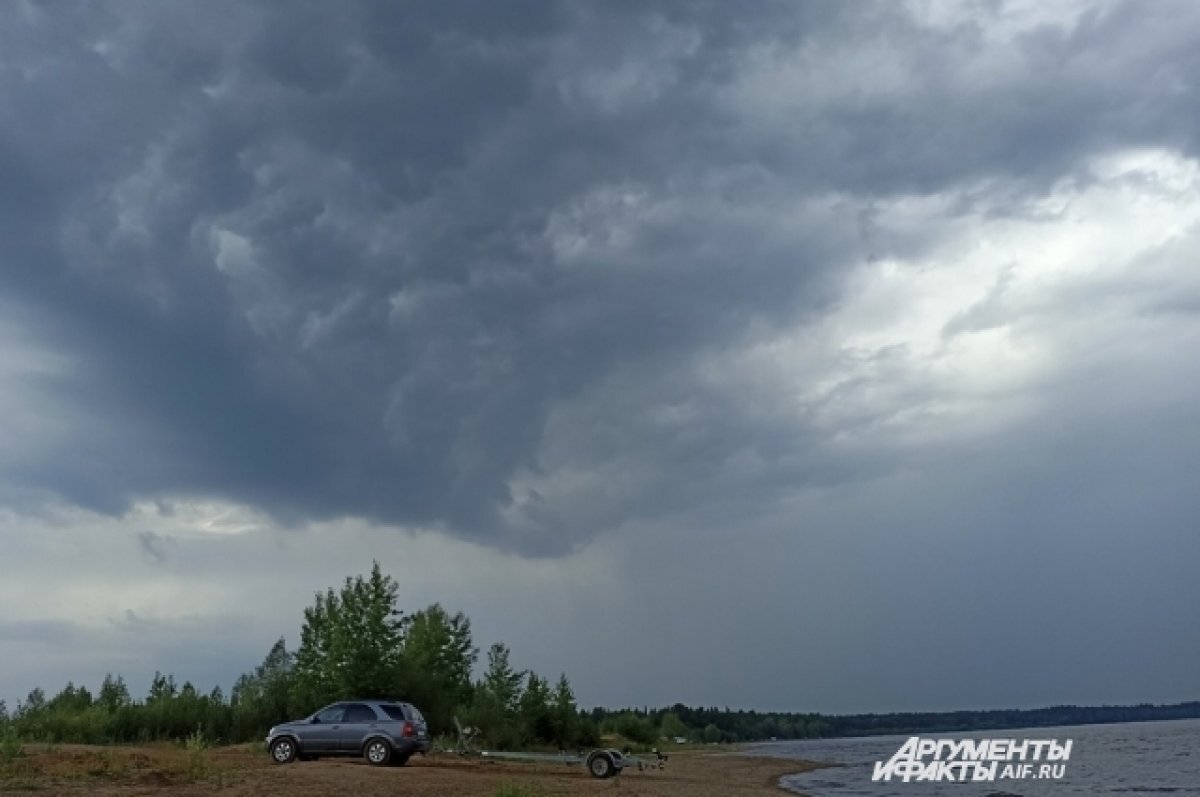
382, 731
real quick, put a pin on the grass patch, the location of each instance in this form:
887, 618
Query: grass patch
108, 765
519, 790
155, 766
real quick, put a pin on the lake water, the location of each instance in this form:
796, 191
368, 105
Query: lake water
1123, 760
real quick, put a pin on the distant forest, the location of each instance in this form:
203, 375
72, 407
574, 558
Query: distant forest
356, 643
728, 725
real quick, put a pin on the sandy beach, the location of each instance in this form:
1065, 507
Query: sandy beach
152, 770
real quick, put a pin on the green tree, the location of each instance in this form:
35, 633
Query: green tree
494, 705
161, 688
263, 697
712, 733
438, 658
672, 727
634, 727
501, 682
34, 701
113, 693
71, 699
564, 717
351, 642
536, 711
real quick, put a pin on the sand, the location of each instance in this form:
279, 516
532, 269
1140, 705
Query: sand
154, 770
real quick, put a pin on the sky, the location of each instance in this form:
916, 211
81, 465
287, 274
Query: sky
803, 356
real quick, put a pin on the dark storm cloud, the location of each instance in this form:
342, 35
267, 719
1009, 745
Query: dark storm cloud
397, 260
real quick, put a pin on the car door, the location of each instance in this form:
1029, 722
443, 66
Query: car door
358, 723
321, 734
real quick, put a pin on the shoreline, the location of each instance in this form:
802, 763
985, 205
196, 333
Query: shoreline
798, 765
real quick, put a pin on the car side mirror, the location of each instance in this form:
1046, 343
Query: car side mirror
315, 720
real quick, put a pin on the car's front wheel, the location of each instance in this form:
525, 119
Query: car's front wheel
283, 750
377, 752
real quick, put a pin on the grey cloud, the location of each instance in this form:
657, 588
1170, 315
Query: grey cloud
154, 546
987, 313
51, 653
29, 630
363, 259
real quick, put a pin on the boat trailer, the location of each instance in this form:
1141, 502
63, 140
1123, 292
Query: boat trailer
600, 763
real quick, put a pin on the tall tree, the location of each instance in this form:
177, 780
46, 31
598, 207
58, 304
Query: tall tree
564, 714
535, 709
161, 688
34, 701
501, 683
71, 699
113, 693
265, 696
439, 655
494, 706
351, 642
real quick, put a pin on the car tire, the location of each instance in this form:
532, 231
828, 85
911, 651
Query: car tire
283, 750
377, 751
600, 765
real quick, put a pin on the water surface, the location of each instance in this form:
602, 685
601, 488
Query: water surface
1122, 760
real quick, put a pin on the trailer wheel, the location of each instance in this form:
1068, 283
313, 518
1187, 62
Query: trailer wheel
601, 765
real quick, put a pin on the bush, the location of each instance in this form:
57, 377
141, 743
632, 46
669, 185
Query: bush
634, 728
197, 749
10, 745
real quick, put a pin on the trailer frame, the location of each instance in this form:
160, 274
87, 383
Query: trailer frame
602, 762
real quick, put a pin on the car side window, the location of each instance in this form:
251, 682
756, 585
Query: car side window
331, 714
357, 712
394, 711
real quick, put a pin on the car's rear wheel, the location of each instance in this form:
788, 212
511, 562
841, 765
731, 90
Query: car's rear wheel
283, 750
377, 752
